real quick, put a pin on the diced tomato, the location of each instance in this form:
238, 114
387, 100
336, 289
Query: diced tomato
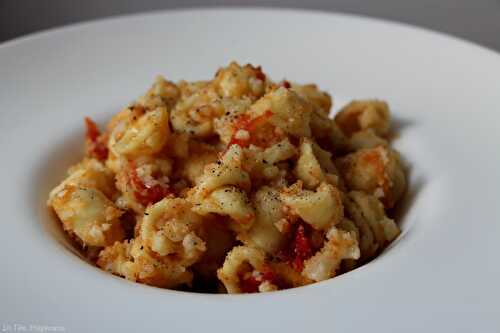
301, 248
259, 74
92, 130
251, 284
146, 194
249, 125
95, 144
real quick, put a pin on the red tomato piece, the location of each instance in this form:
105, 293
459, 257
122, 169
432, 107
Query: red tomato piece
146, 194
249, 125
95, 144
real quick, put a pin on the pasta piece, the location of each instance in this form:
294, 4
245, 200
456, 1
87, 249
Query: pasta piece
234, 109
339, 245
350, 226
87, 214
219, 240
145, 136
177, 145
376, 230
289, 111
320, 209
263, 234
376, 171
288, 275
227, 171
244, 271
132, 260
162, 93
326, 131
171, 228
237, 81
90, 173
261, 163
310, 92
362, 115
194, 114
308, 168
143, 181
366, 139
200, 156
230, 201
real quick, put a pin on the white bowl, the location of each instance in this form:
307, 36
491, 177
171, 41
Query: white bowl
441, 274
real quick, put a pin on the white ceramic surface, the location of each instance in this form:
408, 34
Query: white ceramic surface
441, 275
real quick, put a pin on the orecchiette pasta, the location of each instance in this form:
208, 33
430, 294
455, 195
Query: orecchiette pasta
362, 115
269, 210
236, 184
340, 245
145, 136
321, 208
88, 214
375, 229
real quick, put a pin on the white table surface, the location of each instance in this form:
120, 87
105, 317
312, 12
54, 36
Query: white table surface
478, 21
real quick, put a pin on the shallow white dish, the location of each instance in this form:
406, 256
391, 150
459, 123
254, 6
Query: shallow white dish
440, 275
